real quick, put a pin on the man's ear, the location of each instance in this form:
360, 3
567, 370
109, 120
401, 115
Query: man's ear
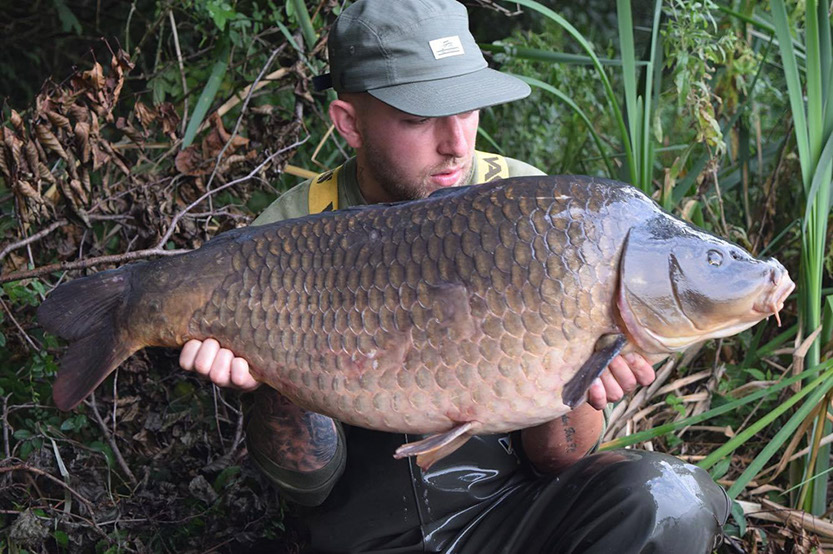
344, 116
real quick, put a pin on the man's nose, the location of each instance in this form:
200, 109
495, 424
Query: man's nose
452, 140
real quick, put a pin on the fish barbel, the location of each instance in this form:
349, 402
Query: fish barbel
479, 309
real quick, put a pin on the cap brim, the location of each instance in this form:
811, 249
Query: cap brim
453, 95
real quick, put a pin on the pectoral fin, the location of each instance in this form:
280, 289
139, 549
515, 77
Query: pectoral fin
435, 447
607, 348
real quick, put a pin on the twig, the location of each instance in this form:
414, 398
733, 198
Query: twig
214, 390
19, 328
36, 471
209, 193
111, 441
6, 449
89, 262
181, 69
771, 511
29, 240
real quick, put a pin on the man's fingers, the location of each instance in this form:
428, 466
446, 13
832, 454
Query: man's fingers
188, 354
623, 374
642, 370
240, 376
205, 356
596, 395
220, 373
612, 389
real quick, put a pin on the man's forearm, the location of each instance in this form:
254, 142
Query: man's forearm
292, 438
559, 443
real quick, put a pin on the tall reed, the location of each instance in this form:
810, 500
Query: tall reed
812, 114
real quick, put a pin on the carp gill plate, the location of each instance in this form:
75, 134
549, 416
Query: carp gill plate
479, 309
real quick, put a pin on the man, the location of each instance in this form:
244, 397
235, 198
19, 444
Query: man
410, 82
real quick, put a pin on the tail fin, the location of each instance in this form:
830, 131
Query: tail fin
87, 312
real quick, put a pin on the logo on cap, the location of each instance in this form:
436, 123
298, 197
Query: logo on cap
446, 47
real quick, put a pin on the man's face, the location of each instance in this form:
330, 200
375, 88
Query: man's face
406, 157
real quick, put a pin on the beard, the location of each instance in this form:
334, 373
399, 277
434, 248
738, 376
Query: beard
401, 186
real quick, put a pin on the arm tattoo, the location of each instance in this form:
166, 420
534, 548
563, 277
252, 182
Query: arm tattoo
569, 434
292, 438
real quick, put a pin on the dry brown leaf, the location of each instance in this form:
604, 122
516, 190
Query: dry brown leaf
114, 156
190, 162
169, 118
45, 174
95, 77
4, 166
145, 115
79, 113
17, 121
99, 157
78, 190
13, 145
224, 135
85, 181
31, 157
132, 132
50, 141
59, 120
120, 64
72, 165
27, 190
82, 141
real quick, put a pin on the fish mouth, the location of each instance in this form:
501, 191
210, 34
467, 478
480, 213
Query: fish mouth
773, 302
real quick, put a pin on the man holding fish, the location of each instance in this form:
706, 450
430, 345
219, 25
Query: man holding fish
410, 82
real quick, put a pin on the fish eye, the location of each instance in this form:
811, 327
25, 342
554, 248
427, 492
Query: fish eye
714, 258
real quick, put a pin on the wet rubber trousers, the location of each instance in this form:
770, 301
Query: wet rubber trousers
617, 502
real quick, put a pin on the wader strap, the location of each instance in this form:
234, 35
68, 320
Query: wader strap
490, 167
323, 192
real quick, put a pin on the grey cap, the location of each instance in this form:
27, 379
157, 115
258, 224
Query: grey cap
417, 56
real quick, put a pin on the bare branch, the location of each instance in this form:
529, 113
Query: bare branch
37, 236
42, 473
181, 70
252, 88
111, 441
212, 192
89, 262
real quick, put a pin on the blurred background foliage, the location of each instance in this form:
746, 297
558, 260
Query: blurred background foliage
694, 101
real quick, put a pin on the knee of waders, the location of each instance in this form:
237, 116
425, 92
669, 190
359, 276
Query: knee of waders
688, 507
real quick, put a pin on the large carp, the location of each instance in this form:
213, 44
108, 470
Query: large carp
479, 309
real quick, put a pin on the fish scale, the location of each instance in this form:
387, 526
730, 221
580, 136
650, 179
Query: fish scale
476, 310
419, 317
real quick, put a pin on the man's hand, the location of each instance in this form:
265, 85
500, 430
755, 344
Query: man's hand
218, 364
620, 378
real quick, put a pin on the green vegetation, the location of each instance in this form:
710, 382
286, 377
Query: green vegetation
718, 108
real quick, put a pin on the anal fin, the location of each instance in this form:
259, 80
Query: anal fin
607, 348
436, 447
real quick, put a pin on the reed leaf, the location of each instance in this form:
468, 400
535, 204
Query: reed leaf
667, 428
782, 31
209, 91
538, 55
823, 385
609, 94
302, 17
569, 101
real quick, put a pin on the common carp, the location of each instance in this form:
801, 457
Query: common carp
479, 309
